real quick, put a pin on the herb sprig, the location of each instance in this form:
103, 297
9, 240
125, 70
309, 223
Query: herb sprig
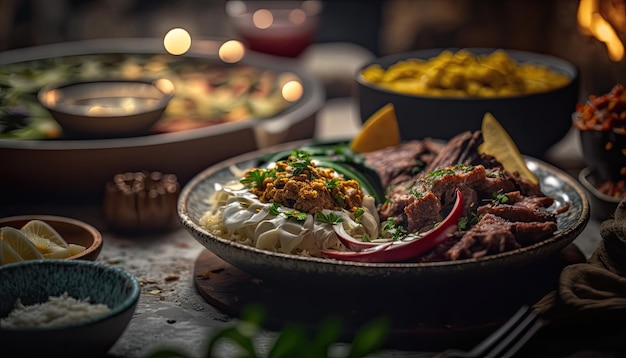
257, 176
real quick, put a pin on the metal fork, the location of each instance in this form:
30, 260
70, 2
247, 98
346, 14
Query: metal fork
506, 341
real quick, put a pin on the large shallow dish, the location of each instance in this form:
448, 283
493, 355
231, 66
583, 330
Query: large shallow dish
278, 267
535, 121
44, 170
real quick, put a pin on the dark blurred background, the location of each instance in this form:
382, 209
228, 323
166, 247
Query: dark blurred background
382, 27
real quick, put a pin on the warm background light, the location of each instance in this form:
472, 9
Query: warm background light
592, 23
297, 16
231, 51
292, 91
164, 85
263, 18
177, 41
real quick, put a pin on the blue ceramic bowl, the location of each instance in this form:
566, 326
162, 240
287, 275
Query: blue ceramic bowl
34, 281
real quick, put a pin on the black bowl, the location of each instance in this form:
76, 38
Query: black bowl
602, 206
534, 121
604, 151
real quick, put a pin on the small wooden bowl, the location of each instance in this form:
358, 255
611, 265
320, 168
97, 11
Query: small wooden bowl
71, 230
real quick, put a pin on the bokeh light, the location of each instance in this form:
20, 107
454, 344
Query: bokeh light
177, 41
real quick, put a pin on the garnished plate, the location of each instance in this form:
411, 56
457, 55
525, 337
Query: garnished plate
279, 267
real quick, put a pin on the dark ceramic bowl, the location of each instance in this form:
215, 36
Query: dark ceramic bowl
604, 152
602, 206
534, 121
33, 282
107, 109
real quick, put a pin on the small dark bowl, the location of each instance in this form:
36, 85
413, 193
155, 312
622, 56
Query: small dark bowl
34, 281
535, 121
107, 109
604, 152
602, 206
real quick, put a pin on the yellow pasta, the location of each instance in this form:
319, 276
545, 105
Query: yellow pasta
463, 74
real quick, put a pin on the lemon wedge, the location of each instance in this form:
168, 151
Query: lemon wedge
7, 254
380, 130
60, 253
20, 243
44, 236
76, 249
498, 144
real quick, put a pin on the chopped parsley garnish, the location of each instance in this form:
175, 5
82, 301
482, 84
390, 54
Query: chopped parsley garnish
466, 222
416, 193
299, 160
298, 215
497, 197
257, 176
389, 227
295, 214
331, 218
358, 213
274, 209
333, 183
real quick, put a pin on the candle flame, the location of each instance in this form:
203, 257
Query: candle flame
592, 23
177, 41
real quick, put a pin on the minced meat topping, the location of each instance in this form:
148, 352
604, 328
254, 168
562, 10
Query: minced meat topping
297, 183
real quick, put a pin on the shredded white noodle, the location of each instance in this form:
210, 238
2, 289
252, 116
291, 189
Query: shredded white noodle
236, 214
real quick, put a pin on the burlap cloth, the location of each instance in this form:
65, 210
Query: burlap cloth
587, 312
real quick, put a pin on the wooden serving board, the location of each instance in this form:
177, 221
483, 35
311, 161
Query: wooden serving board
438, 324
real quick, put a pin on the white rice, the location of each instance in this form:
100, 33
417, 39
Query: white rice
57, 311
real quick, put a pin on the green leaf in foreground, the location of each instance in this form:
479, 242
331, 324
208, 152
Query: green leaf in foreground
293, 340
370, 338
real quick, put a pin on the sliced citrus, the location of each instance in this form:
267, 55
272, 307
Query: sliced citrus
58, 254
20, 243
44, 237
498, 144
7, 254
76, 249
380, 130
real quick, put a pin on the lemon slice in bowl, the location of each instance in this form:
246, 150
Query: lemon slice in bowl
72, 250
380, 130
76, 249
498, 144
45, 237
7, 254
20, 243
